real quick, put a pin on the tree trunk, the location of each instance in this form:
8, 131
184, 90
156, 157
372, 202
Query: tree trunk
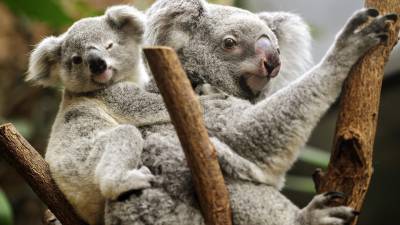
350, 166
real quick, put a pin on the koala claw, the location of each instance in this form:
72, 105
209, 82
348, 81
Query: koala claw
140, 179
333, 195
365, 29
117, 186
319, 212
360, 18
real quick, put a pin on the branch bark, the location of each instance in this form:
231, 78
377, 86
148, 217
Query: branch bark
187, 117
350, 167
34, 169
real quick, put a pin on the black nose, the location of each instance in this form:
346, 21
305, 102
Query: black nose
97, 65
271, 65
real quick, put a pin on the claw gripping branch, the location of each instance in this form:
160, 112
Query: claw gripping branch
350, 167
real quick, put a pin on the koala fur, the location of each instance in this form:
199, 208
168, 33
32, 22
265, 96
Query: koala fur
109, 133
256, 143
94, 152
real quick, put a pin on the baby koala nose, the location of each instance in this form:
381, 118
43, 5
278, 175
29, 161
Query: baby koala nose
97, 65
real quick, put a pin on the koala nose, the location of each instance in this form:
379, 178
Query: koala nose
271, 62
97, 65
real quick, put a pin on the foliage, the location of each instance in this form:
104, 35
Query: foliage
299, 184
48, 11
25, 127
314, 156
5, 210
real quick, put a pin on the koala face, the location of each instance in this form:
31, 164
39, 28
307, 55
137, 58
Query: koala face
230, 48
93, 54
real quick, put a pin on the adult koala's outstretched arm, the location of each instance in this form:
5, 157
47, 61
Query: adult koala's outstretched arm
272, 130
252, 56
93, 153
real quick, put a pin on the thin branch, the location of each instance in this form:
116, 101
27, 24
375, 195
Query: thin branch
34, 169
187, 117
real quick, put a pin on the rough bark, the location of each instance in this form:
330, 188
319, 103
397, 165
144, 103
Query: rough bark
187, 117
350, 167
32, 167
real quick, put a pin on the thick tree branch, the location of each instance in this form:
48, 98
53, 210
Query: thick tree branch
187, 117
32, 167
350, 167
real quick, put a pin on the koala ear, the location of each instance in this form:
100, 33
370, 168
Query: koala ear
127, 19
168, 17
43, 60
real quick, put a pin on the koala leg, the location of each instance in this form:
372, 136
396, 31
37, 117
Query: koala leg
118, 169
271, 132
318, 212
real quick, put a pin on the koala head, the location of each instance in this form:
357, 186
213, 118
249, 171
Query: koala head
227, 47
92, 54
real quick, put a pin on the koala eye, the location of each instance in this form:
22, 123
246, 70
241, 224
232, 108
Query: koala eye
229, 43
77, 60
109, 46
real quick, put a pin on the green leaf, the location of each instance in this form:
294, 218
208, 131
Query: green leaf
315, 156
48, 11
5, 210
299, 184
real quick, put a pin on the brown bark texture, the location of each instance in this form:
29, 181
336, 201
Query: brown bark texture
350, 167
187, 117
34, 169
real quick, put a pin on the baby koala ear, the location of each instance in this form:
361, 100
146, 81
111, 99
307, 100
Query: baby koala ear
127, 19
44, 61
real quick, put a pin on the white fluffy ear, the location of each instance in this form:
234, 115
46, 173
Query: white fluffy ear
43, 62
127, 19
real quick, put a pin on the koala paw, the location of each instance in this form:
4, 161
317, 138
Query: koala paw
127, 183
140, 179
365, 29
318, 212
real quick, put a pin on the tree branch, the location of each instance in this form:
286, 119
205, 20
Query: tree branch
187, 117
32, 167
350, 167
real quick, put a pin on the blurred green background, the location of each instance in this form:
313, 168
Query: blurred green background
24, 23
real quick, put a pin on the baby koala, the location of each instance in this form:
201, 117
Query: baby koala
93, 151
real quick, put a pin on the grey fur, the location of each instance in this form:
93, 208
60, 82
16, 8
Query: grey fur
100, 131
94, 153
256, 143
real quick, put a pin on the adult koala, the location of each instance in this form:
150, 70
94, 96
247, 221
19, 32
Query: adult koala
239, 53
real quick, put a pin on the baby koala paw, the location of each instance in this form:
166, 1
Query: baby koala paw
319, 211
121, 186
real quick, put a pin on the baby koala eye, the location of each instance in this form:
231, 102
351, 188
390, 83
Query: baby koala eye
77, 60
229, 43
109, 45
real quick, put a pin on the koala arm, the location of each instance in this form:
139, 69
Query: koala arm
105, 153
272, 131
117, 171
